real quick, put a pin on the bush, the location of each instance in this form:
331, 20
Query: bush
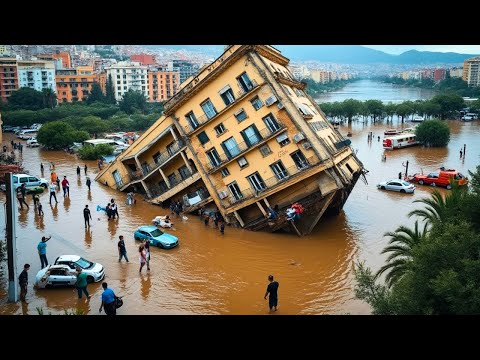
95, 152
433, 133
59, 135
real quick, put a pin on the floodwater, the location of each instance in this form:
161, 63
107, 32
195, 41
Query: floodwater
369, 89
213, 274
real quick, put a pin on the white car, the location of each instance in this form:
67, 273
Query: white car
55, 275
95, 271
28, 180
397, 185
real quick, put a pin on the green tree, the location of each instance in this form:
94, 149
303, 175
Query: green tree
58, 135
449, 104
90, 124
390, 110
49, 98
110, 91
89, 152
26, 98
375, 108
133, 101
401, 245
350, 108
433, 133
431, 108
403, 110
96, 94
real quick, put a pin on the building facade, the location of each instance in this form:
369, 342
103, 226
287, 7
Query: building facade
37, 74
162, 85
126, 76
184, 68
75, 84
143, 59
471, 71
8, 77
64, 57
239, 138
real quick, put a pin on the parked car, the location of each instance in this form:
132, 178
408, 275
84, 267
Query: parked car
55, 275
29, 181
441, 178
156, 237
397, 185
95, 271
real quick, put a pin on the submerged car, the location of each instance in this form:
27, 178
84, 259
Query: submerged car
397, 185
442, 178
55, 275
156, 237
95, 271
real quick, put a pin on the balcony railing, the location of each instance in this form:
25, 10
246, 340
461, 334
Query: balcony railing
175, 180
270, 183
202, 120
148, 168
243, 147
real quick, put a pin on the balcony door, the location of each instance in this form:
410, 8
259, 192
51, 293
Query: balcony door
257, 182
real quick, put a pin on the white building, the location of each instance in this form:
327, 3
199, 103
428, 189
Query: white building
37, 74
128, 75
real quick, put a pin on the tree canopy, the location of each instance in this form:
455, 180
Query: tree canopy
57, 135
433, 133
132, 102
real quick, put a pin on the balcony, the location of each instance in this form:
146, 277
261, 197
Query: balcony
176, 185
242, 148
282, 79
202, 120
270, 183
149, 168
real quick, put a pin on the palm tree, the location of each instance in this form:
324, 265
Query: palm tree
401, 245
439, 208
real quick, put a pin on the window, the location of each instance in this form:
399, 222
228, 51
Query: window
118, 76
265, 150
283, 139
235, 190
350, 168
271, 123
209, 109
256, 103
287, 89
125, 88
172, 179
298, 92
299, 159
163, 186
227, 95
304, 110
244, 82
171, 148
192, 120
225, 172
184, 172
279, 170
242, 162
257, 182
251, 135
318, 125
203, 138
220, 129
214, 157
241, 115
231, 148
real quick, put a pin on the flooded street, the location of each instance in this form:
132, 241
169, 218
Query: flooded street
213, 274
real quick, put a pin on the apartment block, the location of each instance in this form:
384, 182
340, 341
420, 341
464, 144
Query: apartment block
36, 74
8, 77
126, 76
162, 85
75, 84
471, 71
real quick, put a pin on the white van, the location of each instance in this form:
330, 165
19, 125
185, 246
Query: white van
28, 180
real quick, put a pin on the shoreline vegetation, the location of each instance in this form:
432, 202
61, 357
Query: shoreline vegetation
316, 88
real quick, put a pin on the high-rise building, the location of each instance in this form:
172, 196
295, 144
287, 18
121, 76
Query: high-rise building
8, 77
184, 68
471, 71
75, 84
162, 84
126, 76
37, 74
241, 139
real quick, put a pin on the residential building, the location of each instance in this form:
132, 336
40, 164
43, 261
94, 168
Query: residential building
3, 50
241, 137
471, 71
8, 77
184, 68
439, 75
36, 74
128, 75
320, 76
64, 57
75, 84
162, 85
456, 72
102, 80
143, 59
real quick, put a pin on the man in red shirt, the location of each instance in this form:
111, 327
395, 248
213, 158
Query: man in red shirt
66, 187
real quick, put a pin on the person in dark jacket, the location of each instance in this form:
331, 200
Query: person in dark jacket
21, 193
23, 281
89, 183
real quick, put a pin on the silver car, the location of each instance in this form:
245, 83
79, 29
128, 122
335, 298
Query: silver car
397, 185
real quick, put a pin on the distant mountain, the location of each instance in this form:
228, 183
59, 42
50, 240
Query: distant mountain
344, 54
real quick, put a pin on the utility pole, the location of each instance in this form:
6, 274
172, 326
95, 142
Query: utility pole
11, 240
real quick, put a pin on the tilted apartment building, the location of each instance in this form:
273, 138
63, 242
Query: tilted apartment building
242, 136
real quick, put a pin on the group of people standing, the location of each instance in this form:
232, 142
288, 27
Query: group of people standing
143, 250
112, 210
217, 218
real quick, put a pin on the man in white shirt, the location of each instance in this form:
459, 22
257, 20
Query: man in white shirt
53, 189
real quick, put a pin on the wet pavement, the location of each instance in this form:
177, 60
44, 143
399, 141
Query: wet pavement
213, 274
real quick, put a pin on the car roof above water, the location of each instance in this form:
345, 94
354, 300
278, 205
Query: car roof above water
147, 228
68, 258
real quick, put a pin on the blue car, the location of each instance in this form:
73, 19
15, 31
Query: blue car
156, 237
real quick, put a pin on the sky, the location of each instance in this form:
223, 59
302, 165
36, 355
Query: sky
398, 49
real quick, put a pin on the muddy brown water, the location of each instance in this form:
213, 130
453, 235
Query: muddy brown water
214, 274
